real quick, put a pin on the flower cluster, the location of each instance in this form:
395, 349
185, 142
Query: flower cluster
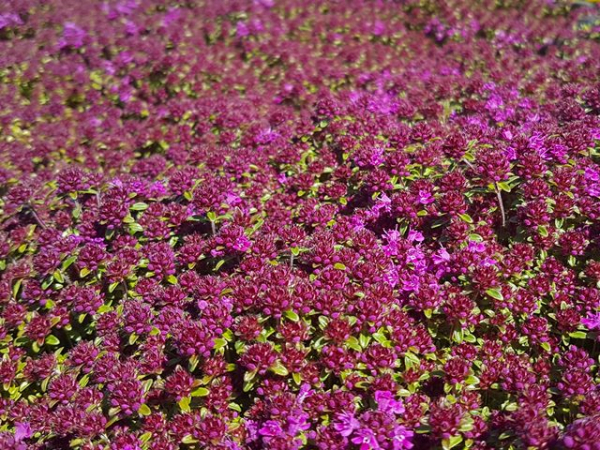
287, 224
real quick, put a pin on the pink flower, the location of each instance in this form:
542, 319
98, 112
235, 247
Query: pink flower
366, 439
346, 423
386, 402
592, 321
271, 428
22, 431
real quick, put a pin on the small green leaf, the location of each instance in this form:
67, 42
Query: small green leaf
200, 392
467, 218
67, 262
323, 321
58, 276
495, 293
457, 335
184, 404
144, 410
504, 186
84, 272
364, 340
339, 266
292, 316
279, 369
135, 228
578, 334
472, 380
140, 206
52, 340
220, 343
354, 344
451, 442
189, 439
546, 346
411, 360
172, 279
235, 407
132, 338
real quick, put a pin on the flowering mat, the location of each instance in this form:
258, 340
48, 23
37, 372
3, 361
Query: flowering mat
286, 224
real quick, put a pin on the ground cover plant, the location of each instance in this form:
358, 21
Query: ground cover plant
284, 224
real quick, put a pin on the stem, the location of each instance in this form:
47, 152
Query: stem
499, 195
291, 261
213, 228
37, 218
471, 166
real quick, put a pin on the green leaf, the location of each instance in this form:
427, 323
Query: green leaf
339, 266
297, 378
172, 279
135, 228
292, 316
543, 231
52, 340
144, 410
467, 218
471, 380
451, 442
504, 186
220, 343
112, 287
200, 392
84, 272
469, 337
364, 340
354, 344
58, 276
235, 407
323, 321
411, 360
457, 336
140, 206
495, 293
279, 369
189, 439
184, 404
132, 338
578, 334
67, 262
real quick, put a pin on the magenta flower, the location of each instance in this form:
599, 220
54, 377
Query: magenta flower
73, 36
22, 431
365, 439
271, 428
592, 321
387, 403
345, 423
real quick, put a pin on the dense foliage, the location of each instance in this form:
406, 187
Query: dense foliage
285, 224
